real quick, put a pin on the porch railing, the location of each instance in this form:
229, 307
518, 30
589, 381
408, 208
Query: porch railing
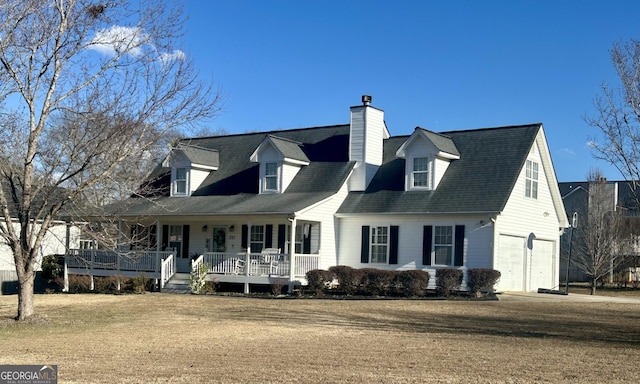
138, 261
167, 269
259, 264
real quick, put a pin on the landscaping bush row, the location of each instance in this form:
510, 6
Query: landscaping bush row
378, 282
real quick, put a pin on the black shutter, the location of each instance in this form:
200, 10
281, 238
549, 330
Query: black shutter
245, 233
185, 241
282, 233
364, 250
427, 238
165, 237
393, 244
306, 242
268, 236
458, 259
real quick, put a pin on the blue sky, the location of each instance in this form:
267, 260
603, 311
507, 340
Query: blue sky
440, 65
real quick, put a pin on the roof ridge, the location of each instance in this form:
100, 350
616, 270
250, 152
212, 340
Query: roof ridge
285, 139
435, 133
495, 128
268, 132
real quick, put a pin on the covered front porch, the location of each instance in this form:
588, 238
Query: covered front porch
267, 267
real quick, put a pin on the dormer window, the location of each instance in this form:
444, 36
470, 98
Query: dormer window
279, 161
421, 172
427, 156
271, 177
180, 183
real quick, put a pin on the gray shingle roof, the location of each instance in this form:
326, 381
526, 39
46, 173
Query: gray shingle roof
233, 188
199, 155
442, 142
289, 148
480, 181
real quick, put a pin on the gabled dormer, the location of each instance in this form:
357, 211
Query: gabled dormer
280, 161
190, 165
427, 156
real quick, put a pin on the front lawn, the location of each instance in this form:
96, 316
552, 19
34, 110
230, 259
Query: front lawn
160, 338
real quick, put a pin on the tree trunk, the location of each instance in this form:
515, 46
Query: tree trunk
25, 296
594, 281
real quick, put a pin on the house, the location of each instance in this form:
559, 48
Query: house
616, 198
61, 236
264, 208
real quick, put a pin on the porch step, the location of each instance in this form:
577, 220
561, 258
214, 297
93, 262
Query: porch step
179, 283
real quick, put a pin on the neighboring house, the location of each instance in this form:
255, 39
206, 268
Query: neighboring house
267, 207
622, 199
60, 237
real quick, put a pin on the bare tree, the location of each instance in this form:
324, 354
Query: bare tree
88, 93
618, 114
600, 241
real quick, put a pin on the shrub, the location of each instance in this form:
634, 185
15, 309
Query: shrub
482, 279
105, 284
375, 282
138, 284
79, 283
411, 282
198, 279
448, 281
276, 288
317, 280
348, 278
51, 268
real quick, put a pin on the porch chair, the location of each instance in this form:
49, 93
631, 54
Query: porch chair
270, 256
238, 267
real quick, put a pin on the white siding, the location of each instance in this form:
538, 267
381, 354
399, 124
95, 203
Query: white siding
324, 213
289, 172
366, 138
477, 244
527, 217
54, 242
196, 177
439, 168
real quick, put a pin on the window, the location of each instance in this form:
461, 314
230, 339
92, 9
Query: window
271, 177
443, 245
175, 238
379, 244
420, 174
181, 181
298, 240
531, 180
256, 240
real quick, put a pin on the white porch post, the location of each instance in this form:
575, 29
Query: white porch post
292, 252
247, 259
66, 275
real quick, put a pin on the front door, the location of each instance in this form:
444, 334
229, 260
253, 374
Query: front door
219, 243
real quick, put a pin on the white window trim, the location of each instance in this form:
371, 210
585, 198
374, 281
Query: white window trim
277, 176
372, 243
451, 245
251, 241
531, 183
411, 174
174, 187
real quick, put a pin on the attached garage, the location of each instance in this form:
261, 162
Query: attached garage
510, 261
541, 265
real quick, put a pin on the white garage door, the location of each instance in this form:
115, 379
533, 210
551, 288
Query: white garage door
542, 266
510, 263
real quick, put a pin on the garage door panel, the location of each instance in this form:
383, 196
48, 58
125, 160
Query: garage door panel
510, 263
542, 256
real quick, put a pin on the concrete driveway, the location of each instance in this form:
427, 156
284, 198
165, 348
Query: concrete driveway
571, 297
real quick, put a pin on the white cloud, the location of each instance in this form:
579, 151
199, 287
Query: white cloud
119, 39
592, 144
132, 40
175, 55
568, 151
